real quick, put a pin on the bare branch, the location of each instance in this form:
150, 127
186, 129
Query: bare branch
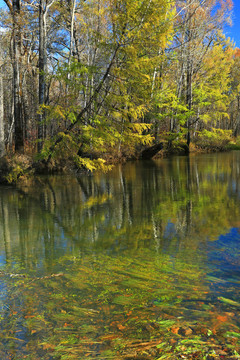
9, 5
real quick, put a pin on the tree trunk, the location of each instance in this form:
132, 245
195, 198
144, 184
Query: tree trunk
189, 98
42, 67
151, 151
72, 11
2, 143
189, 73
19, 139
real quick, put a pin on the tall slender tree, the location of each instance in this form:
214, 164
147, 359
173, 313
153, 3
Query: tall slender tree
44, 6
2, 138
14, 8
42, 69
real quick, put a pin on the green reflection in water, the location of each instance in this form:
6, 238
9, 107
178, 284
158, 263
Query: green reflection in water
126, 265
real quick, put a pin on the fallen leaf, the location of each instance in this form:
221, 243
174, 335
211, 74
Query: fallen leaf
121, 327
174, 330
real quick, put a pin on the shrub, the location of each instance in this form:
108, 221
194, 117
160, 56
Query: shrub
216, 139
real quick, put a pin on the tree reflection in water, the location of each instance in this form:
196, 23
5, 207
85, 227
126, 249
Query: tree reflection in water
143, 260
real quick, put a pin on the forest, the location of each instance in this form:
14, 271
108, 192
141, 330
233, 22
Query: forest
85, 84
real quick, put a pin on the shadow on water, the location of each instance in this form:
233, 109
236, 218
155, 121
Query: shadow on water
142, 262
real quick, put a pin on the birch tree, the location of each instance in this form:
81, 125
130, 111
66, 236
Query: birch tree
14, 8
197, 26
2, 137
44, 6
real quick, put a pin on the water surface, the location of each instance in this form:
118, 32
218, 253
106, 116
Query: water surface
142, 261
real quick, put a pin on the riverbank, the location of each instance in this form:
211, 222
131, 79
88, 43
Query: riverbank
16, 167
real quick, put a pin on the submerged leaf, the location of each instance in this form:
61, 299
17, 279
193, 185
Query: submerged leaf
229, 301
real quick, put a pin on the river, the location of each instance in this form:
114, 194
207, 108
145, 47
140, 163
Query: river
141, 262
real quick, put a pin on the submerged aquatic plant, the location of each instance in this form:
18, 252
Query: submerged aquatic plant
108, 307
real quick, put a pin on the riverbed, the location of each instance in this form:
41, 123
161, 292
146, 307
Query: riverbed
141, 262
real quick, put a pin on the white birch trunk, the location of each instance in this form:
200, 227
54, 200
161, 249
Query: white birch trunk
2, 143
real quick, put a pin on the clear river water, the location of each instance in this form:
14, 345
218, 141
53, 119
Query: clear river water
139, 263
